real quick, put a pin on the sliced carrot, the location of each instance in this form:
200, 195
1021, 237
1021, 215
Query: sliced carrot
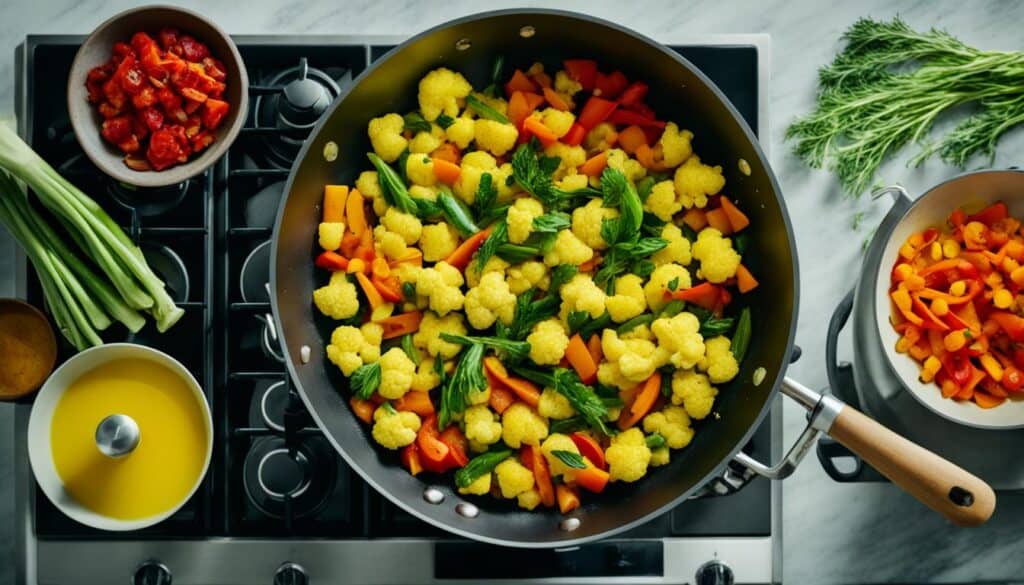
986, 400
464, 253
349, 243
356, 212
592, 264
412, 256
580, 359
556, 100
542, 477
643, 402
390, 288
594, 346
356, 265
533, 100
496, 368
521, 105
379, 267
334, 202
363, 409
399, 325
534, 127
568, 498
745, 281
446, 171
589, 448
696, 219
411, 459
631, 138
448, 152
737, 219
719, 220
645, 155
371, 292
414, 401
595, 165
542, 79
591, 479
524, 389
519, 82
501, 398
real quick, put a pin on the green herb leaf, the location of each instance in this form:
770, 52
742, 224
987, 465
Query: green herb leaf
595, 326
714, 327
480, 465
688, 232
672, 308
741, 338
567, 425
468, 379
497, 74
410, 349
666, 381
582, 398
740, 242
655, 441
444, 121
673, 284
643, 268
551, 222
485, 111
570, 459
365, 380
457, 214
414, 123
494, 241
392, 187
514, 350
644, 187
652, 225
486, 196
533, 174
576, 320
409, 291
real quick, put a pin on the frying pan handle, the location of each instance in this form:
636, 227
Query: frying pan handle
961, 497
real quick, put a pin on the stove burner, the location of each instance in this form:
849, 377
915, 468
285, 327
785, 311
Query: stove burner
256, 274
277, 481
261, 208
166, 263
148, 202
305, 94
269, 402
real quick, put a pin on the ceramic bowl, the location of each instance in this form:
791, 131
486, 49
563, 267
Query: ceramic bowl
971, 191
96, 50
39, 446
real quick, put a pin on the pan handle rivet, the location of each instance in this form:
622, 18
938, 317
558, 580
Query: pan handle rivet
569, 524
463, 44
527, 31
467, 510
433, 495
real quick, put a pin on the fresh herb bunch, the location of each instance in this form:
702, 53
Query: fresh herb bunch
533, 173
468, 379
531, 310
887, 88
511, 350
627, 250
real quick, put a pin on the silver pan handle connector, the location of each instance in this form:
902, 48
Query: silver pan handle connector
117, 435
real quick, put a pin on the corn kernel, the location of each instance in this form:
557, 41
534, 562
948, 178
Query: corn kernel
930, 368
914, 282
954, 340
991, 366
974, 232
920, 352
1002, 299
916, 240
902, 271
936, 251
994, 280
940, 307
907, 251
1015, 250
1008, 265
950, 249
903, 344
1017, 276
958, 288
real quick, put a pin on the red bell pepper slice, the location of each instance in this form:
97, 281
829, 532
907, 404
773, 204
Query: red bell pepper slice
1013, 379
457, 446
590, 449
332, 261
595, 111
630, 118
704, 295
958, 366
634, 94
1010, 323
611, 85
991, 214
575, 135
410, 456
582, 71
930, 320
434, 453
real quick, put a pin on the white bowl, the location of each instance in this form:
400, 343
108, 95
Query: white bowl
972, 191
39, 448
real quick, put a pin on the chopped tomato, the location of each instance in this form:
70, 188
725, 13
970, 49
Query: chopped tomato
595, 111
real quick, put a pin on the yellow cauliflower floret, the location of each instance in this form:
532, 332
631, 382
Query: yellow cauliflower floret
629, 300
389, 243
422, 192
481, 425
587, 220
694, 181
557, 121
461, 132
520, 218
329, 234
694, 391
396, 374
404, 224
394, 430
351, 347
523, 277
673, 423
609, 374
529, 499
513, 477
428, 338
554, 405
628, 456
338, 299
426, 378
568, 249
675, 145
658, 283
571, 157
719, 362
427, 142
680, 335
386, 136
629, 361
618, 159
565, 84
677, 250
441, 91
438, 241
662, 201
638, 332
474, 273
440, 284
581, 294
497, 104
521, 425
481, 486
474, 165
660, 456
369, 185
490, 301
600, 137
420, 170
547, 342
573, 182
558, 442
718, 259
495, 137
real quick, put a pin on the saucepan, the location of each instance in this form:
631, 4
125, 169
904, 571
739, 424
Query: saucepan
469, 45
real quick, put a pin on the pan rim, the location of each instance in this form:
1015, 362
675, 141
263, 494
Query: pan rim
776, 384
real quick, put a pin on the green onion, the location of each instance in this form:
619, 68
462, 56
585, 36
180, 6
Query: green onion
634, 323
410, 349
485, 111
480, 465
444, 121
713, 327
468, 379
391, 185
415, 123
515, 350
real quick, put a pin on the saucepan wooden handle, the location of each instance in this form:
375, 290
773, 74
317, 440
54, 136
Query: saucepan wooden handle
948, 489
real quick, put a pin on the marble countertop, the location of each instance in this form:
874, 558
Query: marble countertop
832, 533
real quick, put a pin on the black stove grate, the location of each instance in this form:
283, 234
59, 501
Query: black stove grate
218, 225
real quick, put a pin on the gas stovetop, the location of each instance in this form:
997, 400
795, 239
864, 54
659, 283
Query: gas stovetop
277, 499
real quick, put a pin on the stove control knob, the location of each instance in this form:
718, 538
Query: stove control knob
290, 574
152, 573
714, 573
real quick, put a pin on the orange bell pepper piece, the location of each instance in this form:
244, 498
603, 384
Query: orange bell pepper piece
568, 498
356, 212
542, 477
696, 219
631, 138
527, 391
415, 401
580, 359
399, 325
595, 165
642, 403
411, 459
591, 479
334, 202
462, 255
534, 127
590, 449
555, 99
363, 409
737, 219
446, 171
718, 219
371, 292
745, 281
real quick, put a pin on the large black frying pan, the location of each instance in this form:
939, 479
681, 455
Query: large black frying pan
678, 92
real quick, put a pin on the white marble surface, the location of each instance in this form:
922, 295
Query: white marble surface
832, 533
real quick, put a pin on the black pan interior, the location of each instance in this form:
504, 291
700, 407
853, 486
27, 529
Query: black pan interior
679, 93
